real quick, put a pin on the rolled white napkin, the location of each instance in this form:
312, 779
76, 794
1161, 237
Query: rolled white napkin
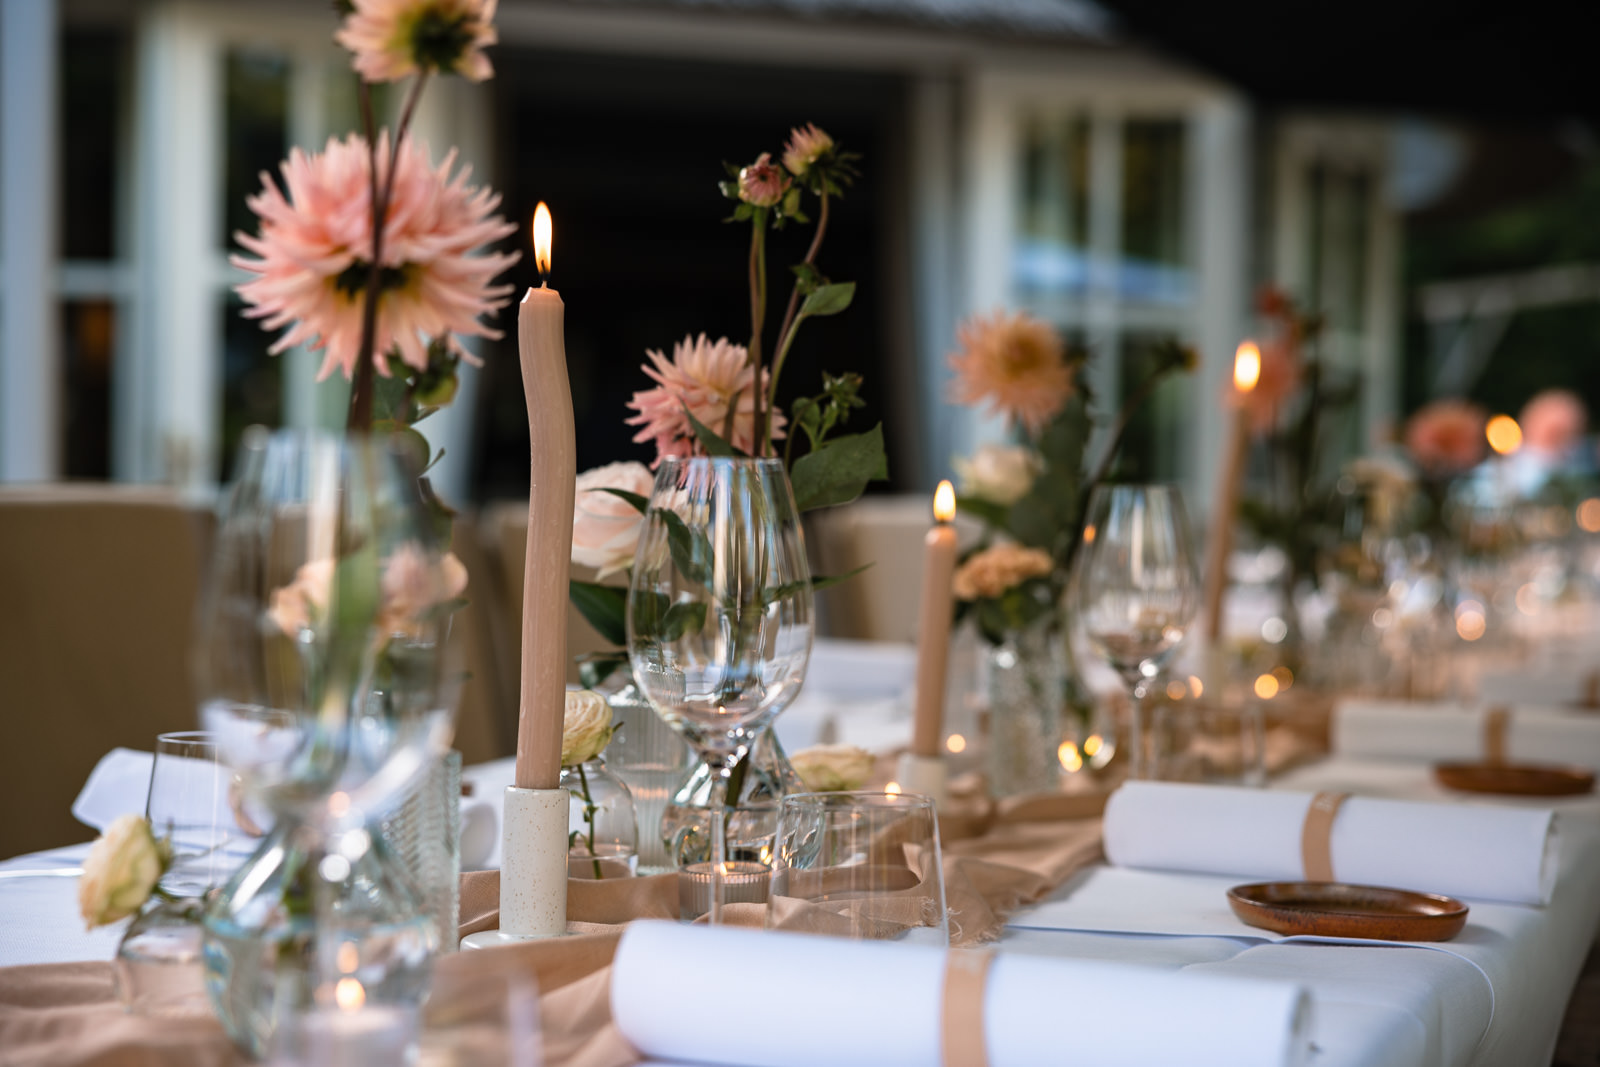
1443, 731
1557, 686
482, 812
826, 1000
1473, 851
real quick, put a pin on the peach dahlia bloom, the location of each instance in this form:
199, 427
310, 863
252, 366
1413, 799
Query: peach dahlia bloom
1446, 437
391, 39
315, 242
1553, 421
704, 377
807, 144
1015, 362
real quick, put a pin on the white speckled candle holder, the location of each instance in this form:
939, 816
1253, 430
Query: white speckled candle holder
533, 868
922, 774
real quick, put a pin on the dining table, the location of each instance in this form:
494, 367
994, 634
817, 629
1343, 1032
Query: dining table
1495, 994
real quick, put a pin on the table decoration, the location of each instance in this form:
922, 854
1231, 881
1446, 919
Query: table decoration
322, 670
602, 832
860, 865
425, 835
1515, 779
891, 1003
1477, 853
1335, 909
1219, 541
835, 768
1032, 498
1137, 592
718, 401
922, 768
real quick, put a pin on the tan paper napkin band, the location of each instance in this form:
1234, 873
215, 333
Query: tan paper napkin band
1316, 835
966, 973
1495, 721
1591, 690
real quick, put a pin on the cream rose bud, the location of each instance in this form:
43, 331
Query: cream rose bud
121, 870
605, 528
586, 728
1000, 474
832, 768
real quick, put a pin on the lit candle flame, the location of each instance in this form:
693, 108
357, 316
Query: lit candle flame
1504, 435
349, 994
1246, 367
944, 502
541, 238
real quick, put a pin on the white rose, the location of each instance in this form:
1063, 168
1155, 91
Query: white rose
605, 528
833, 768
121, 870
586, 727
1000, 474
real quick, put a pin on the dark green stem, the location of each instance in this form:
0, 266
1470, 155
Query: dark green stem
589, 810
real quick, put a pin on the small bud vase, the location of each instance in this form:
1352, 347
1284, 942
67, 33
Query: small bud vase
602, 829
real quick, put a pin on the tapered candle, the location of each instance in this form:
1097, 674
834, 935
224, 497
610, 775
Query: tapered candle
933, 632
1246, 373
552, 484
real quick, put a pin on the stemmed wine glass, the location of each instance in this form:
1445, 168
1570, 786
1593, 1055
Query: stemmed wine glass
719, 612
1136, 589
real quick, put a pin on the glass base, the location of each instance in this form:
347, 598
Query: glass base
157, 971
685, 825
266, 955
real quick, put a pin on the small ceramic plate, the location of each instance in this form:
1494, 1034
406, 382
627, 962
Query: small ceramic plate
1515, 779
1335, 909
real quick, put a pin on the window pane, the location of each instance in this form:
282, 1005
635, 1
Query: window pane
1151, 447
252, 380
256, 139
93, 70
1155, 265
88, 344
1053, 232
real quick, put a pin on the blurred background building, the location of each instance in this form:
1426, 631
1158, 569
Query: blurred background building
1130, 172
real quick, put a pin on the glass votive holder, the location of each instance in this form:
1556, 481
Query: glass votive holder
358, 1035
742, 882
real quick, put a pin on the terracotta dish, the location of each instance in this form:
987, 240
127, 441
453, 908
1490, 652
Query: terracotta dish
1515, 779
1334, 909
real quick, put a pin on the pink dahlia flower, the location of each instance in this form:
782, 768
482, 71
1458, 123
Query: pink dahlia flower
316, 242
762, 183
806, 145
1015, 362
704, 377
391, 39
1446, 437
1553, 421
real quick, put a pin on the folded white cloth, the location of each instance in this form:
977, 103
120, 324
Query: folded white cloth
1475, 851
826, 1000
196, 800
1445, 731
482, 812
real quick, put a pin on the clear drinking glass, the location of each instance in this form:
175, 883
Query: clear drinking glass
859, 865
719, 611
1136, 590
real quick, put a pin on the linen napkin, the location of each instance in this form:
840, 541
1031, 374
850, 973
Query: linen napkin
1557, 686
120, 784
1474, 851
1445, 731
823, 1000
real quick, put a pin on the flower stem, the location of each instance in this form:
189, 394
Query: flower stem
790, 327
589, 810
359, 419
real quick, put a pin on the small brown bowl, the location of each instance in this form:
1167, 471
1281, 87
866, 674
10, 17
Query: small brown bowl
1515, 779
1335, 909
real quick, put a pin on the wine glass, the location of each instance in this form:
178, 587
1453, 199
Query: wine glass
321, 671
1136, 589
719, 612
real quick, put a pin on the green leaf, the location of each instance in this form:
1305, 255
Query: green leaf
604, 606
837, 472
640, 504
984, 510
816, 582
442, 514
710, 440
686, 616
828, 299
807, 278
595, 667
691, 552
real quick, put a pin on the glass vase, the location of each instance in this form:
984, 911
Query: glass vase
766, 778
157, 969
1088, 723
1026, 689
651, 759
425, 836
602, 829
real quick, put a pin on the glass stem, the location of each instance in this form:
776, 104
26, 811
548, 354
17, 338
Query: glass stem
1138, 764
719, 857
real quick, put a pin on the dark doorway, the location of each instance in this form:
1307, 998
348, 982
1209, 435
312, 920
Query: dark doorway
627, 152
